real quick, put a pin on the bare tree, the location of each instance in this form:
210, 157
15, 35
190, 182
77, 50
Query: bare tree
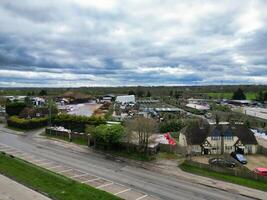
144, 127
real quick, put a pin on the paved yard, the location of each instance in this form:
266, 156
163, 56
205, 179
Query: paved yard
256, 161
11, 190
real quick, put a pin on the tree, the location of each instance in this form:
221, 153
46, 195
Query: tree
14, 108
28, 101
260, 96
170, 126
239, 95
144, 127
43, 93
108, 135
131, 92
171, 93
148, 94
140, 92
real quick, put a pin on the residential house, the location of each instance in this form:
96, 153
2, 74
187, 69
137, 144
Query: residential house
218, 139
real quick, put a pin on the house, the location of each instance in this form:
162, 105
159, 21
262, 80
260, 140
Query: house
107, 98
218, 139
38, 101
126, 99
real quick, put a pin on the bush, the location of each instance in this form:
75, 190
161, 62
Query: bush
108, 134
76, 123
170, 126
27, 124
14, 108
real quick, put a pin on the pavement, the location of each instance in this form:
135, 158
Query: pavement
146, 182
11, 190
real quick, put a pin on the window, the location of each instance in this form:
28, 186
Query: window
228, 137
228, 148
215, 138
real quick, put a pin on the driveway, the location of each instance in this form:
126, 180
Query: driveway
256, 161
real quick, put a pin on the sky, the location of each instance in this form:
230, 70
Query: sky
73, 43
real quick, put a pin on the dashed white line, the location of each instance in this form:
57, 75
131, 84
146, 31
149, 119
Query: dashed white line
91, 180
144, 196
101, 186
41, 164
75, 176
53, 167
122, 191
67, 170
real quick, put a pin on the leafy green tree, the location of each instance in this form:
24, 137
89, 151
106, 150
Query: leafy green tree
171, 126
239, 95
108, 135
43, 93
148, 94
131, 92
14, 108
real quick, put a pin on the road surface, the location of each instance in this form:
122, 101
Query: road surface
158, 185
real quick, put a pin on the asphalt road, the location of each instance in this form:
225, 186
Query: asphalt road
158, 185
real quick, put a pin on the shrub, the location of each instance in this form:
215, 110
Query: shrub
171, 126
108, 134
76, 123
27, 124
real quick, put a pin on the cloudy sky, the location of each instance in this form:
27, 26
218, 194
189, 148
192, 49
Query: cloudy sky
151, 42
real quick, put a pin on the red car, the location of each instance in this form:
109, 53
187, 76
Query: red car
261, 171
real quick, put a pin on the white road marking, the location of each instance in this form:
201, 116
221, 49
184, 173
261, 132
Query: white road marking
122, 191
75, 176
54, 167
95, 179
41, 164
142, 197
101, 186
67, 170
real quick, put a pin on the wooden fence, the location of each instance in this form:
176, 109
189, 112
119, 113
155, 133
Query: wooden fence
240, 171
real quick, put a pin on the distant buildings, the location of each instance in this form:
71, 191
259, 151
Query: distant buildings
126, 99
199, 104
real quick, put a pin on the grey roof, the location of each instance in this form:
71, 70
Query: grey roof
196, 135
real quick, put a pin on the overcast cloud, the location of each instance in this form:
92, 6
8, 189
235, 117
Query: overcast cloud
151, 42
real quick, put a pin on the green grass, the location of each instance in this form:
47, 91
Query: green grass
228, 95
54, 185
167, 156
256, 184
14, 129
76, 141
132, 155
121, 153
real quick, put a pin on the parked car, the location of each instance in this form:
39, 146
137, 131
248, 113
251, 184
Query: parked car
239, 157
261, 171
221, 162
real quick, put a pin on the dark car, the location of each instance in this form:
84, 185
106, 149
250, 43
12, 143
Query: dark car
239, 157
221, 162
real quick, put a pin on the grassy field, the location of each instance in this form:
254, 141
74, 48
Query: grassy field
76, 141
54, 185
228, 95
256, 184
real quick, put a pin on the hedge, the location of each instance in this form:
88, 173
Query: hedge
27, 124
76, 123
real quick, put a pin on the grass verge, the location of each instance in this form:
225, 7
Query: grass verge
54, 185
122, 153
256, 184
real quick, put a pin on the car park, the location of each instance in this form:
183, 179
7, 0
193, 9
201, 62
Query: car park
239, 157
222, 162
261, 171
